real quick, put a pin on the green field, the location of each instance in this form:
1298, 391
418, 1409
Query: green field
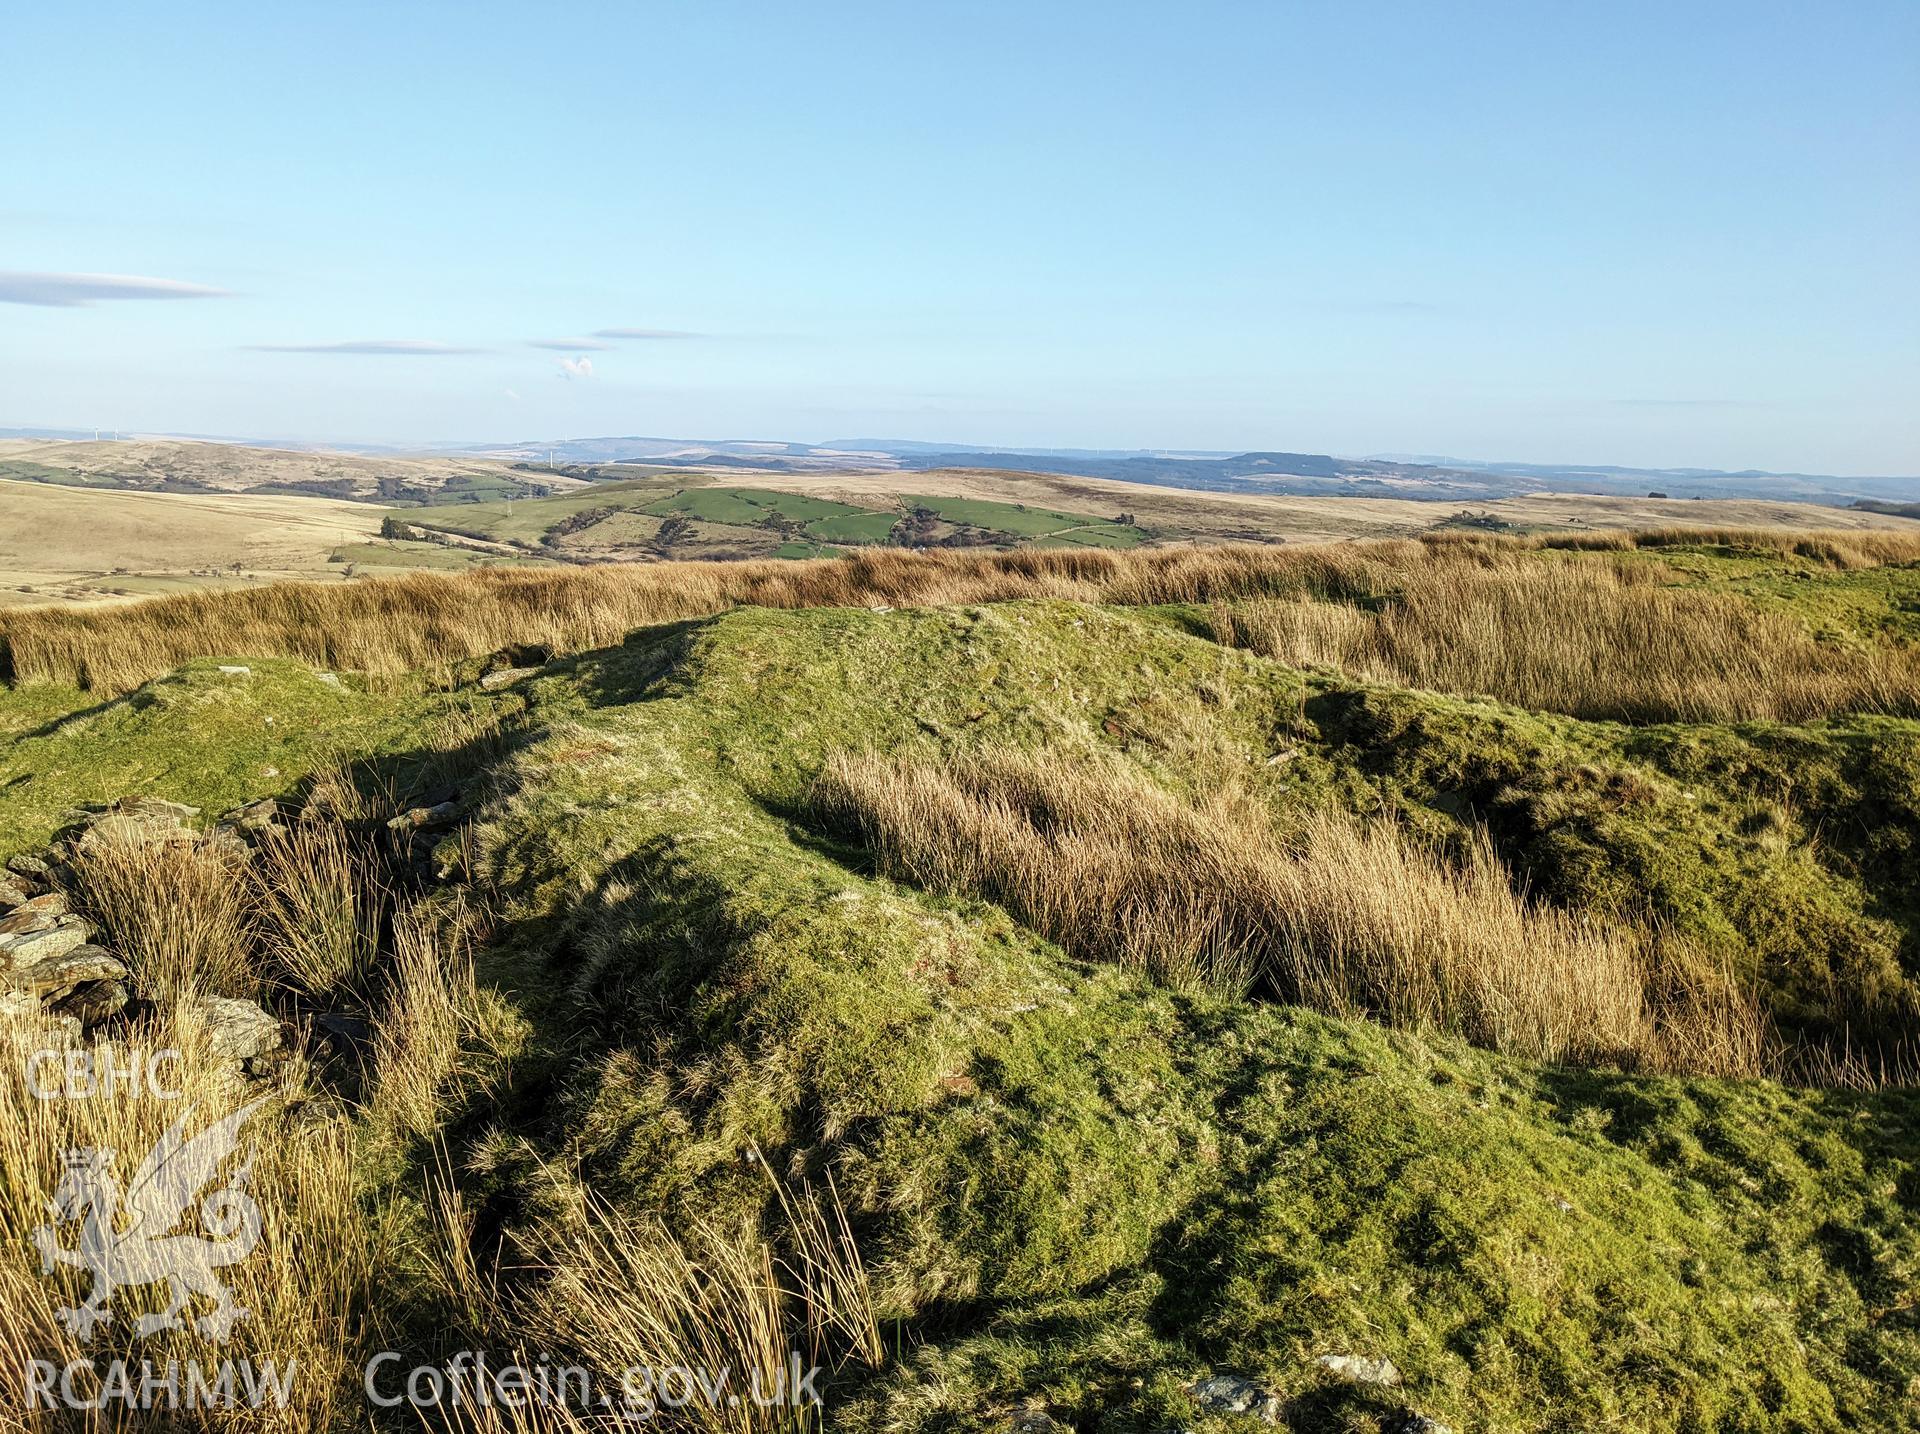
748, 506
751, 520
389, 553
855, 527
1018, 519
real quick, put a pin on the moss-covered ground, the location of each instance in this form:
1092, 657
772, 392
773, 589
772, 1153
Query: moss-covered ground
1081, 1192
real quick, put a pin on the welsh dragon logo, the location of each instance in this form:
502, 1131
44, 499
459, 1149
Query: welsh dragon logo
127, 1240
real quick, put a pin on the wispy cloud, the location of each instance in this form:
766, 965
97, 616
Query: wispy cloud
645, 334
581, 367
418, 348
73, 291
569, 346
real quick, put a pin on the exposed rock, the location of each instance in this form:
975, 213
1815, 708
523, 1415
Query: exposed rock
20, 921
319, 1114
1358, 1369
254, 816
343, 1030
55, 977
31, 947
1034, 1421
505, 677
94, 1002
1231, 1394
439, 815
236, 1029
1410, 1421
136, 822
52, 905
155, 807
21, 1010
12, 892
30, 866
234, 669
332, 679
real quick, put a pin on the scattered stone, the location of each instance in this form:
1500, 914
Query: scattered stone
344, 1030
31, 866
440, 814
505, 677
20, 921
53, 904
95, 1001
1358, 1369
235, 670
56, 977
332, 679
21, 1010
1409, 1421
29, 948
254, 816
1230, 1394
12, 893
155, 807
135, 822
1034, 1421
319, 1114
237, 1030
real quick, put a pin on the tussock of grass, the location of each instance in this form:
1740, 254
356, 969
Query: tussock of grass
1349, 917
430, 1009
710, 1296
321, 906
423, 619
308, 1282
176, 911
1594, 639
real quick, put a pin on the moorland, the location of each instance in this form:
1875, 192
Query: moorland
1465, 980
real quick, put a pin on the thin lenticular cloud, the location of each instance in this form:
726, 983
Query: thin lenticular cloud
568, 346
75, 291
645, 334
418, 348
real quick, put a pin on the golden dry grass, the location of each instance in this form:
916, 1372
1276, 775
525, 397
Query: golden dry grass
84, 544
308, 1282
1348, 916
342, 1268
1597, 638
320, 904
176, 911
422, 619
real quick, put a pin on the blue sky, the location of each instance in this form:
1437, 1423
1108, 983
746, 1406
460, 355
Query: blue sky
1655, 234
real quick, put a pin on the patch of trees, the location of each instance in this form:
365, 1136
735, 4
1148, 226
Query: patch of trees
575, 522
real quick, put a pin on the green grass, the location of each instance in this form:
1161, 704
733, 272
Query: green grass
749, 506
798, 549
854, 527
1018, 519
1081, 1191
1086, 1191
720, 513
408, 554
200, 736
29, 472
527, 520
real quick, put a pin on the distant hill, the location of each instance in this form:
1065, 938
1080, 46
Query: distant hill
1262, 472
